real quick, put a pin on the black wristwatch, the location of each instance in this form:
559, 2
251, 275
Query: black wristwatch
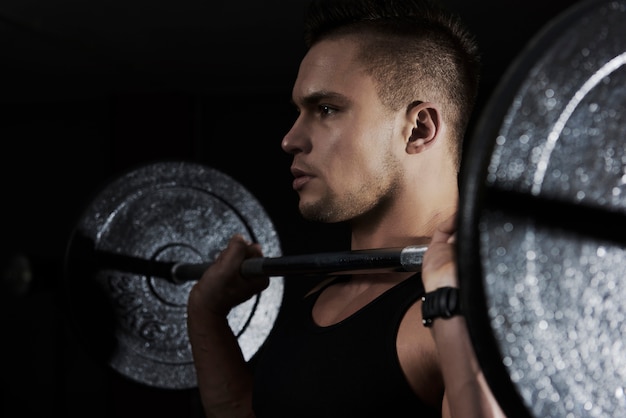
441, 303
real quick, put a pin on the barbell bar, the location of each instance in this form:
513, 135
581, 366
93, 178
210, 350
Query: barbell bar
394, 259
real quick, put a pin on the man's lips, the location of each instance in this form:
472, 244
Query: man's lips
301, 178
299, 182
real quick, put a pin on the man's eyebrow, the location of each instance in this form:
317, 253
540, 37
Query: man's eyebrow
319, 96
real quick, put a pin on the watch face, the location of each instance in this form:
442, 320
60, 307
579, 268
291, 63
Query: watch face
542, 245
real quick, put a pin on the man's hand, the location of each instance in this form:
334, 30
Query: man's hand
439, 263
221, 286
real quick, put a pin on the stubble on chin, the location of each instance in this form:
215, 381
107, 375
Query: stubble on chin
322, 210
314, 212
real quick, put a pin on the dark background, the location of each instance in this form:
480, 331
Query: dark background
91, 89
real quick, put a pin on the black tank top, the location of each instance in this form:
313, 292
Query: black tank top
349, 369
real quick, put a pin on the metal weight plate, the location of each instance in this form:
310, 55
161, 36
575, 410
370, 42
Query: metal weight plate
542, 225
125, 309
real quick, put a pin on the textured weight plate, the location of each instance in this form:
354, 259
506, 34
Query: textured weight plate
128, 312
543, 250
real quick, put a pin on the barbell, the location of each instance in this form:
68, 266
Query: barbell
541, 238
370, 261
375, 260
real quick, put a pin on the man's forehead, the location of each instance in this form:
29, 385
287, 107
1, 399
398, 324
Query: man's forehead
332, 54
330, 69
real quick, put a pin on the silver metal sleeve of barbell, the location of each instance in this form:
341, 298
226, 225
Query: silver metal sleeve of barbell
412, 257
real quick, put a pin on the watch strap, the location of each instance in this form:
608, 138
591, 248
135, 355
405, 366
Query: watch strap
443, 302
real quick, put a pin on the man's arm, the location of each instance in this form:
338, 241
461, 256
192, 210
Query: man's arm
467, 394
224, 380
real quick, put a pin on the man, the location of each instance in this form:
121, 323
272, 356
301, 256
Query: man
384, 95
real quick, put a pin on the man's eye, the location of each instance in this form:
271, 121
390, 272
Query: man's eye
326, 110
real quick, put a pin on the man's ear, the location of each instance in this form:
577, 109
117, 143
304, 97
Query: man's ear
425, 120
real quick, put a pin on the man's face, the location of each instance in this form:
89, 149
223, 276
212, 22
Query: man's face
345, 143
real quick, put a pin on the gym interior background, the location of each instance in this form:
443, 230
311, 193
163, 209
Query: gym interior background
90, 90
